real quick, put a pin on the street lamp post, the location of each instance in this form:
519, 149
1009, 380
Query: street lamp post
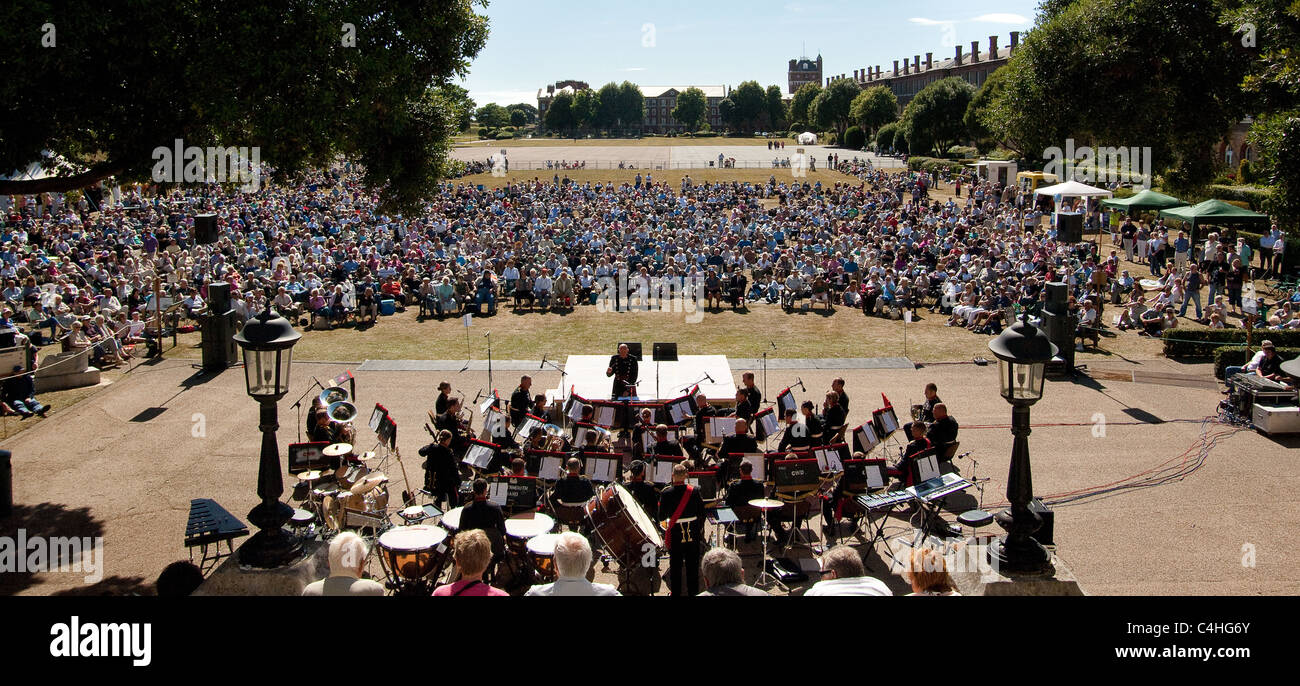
267, 341
1023, 351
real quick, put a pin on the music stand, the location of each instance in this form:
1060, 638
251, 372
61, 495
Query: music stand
633, 349
662, 352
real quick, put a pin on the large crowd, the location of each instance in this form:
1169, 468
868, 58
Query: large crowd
323, 252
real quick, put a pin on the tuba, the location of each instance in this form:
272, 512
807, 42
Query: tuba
341, 411
333, 394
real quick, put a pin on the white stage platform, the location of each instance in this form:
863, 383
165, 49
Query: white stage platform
586, 375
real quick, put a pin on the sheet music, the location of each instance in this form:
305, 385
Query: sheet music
376, 416
483, 406
498, 492
648, 437
786, 402
495, 420
889, 421
823, 461
834, 462
528, 427
664, 471
601, 469
575, 411
677, 412
693, 482
604, 416
580, 437
478, 455
928, 467
721, 427
770, 424
552, 467
867, 436
875, 476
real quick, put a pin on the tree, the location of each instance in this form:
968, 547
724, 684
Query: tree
692, 109
529, 112
631, 106
830, 109
933, 118
274, 77
873, 108
1178, 99
800, 102
901, 144
518, 117
854, 139
492, 116
560, 116
585, 106
777, 119
751, 106
458, 99
607, 108
977, 115
727, 113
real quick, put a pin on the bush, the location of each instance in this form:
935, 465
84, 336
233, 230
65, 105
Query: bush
1235, 356
963, 152
504, 135
1256, 199
483, 131
1180, 343
934, 165
1246, 172
900, 141
854, 138
706, 134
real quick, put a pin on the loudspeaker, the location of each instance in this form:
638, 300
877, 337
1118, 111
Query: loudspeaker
219, 297
664, 352
1044, 533
1069, 228
218, 340
633, 349
1057, 297
205, 228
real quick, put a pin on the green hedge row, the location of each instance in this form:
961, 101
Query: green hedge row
1257, 198
934, 165
1206, 342
1235, 356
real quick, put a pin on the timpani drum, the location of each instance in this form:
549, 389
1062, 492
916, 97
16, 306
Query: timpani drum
541, 553
451, 519
411, 552
528, 525
621, 523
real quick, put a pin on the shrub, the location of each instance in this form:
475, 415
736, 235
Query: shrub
885, 135
900, 141
854, 138
1256, 199
963, 152
483, 131
1235, 355
1246, 172
504, 135
1181, 342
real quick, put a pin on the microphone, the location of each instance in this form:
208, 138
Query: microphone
487, 334
543, 365
772, 344
706, 375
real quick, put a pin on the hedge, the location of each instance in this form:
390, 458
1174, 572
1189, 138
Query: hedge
1256, 198
1235, 356
934, 165
854, 138
1206, 342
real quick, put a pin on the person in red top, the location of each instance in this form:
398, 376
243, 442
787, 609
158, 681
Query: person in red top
472, 553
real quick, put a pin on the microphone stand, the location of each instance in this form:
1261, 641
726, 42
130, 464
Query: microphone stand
488, 336
298, 403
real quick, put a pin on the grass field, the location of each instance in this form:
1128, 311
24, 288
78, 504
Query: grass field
672, 176
620, 142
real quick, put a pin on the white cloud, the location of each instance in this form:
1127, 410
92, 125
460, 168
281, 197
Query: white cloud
633, 69
503, 98
928, 22
1001, 18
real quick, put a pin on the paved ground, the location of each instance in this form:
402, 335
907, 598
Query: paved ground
659, 157
125, 463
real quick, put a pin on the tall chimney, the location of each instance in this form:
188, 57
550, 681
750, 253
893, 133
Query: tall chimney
916, 64
993, 47
906, 66
1015, 41
895, 67
929, 61
957, 57
974, 51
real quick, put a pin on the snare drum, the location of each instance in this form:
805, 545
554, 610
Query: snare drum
541, 553
621, 523
411, 552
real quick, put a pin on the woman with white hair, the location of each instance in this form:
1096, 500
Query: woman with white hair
347, 553
572, 561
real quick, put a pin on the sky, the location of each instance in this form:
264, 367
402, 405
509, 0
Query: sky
532, 43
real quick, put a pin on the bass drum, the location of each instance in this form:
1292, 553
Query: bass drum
623, 526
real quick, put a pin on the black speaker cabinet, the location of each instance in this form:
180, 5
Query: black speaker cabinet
205, 228
633, 349
219, 297
1069, 228
1044, 533
664, 352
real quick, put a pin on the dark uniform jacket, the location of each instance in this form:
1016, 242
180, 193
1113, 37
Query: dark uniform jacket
668, 501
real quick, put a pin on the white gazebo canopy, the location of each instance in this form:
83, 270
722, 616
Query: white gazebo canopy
1074, 189
807, 138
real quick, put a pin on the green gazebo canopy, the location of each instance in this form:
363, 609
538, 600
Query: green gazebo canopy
1145, 200
1215, 212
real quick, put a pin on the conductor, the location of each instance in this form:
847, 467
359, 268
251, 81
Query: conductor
623, 367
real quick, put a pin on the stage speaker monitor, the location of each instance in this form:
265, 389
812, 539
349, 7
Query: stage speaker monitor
633, 349
1044, 533
219, 297
205, 228
664, 352
1057, 297
1069, 228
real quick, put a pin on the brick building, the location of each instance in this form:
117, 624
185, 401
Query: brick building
659, 103
803, 71
910, 75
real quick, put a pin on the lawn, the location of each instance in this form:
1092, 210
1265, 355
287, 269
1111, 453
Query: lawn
628, 142
672, 176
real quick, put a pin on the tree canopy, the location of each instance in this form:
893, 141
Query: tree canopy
933, 118
304, 81
873, 108
800, 102
692, 109
830, 109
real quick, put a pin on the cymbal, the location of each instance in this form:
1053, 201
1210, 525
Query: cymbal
337, 450
766, 503
309, 476
366, 456
369, 483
